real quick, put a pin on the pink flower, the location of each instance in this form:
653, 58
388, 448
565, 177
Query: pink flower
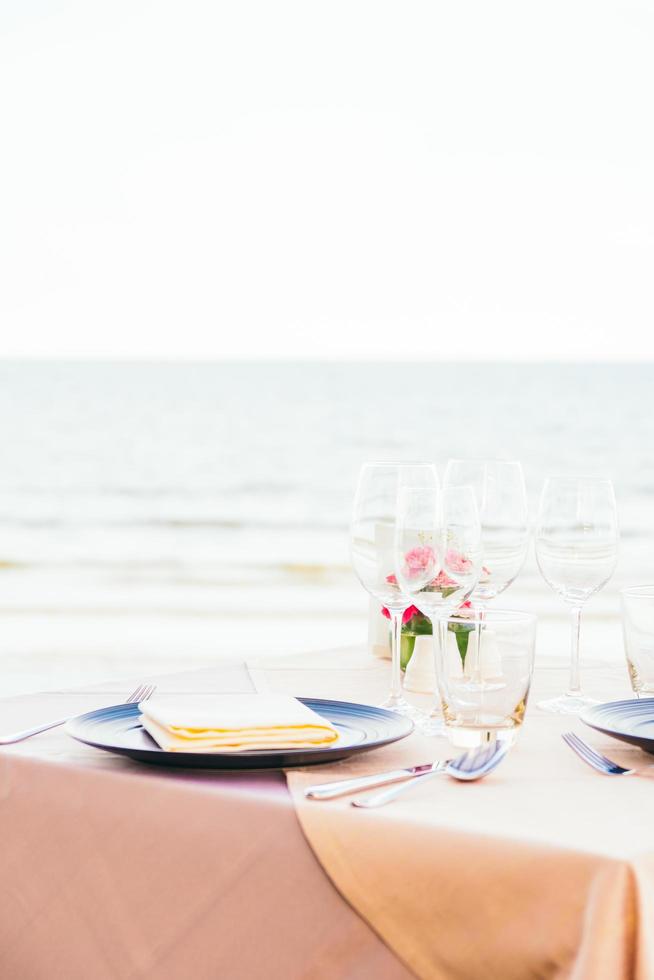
419, 559
408, 614
442, 581
391, 579
457, 562
465, 611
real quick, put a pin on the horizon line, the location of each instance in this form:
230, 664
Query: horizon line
311, 361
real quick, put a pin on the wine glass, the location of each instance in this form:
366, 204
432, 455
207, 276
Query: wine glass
437, 558
576, 551
499, 486
372, 536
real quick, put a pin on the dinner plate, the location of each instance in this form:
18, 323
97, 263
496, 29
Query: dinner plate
631, 721
361, 728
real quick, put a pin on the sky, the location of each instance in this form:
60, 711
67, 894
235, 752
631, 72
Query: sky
344, 180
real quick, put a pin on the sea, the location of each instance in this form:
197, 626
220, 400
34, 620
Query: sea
157, 516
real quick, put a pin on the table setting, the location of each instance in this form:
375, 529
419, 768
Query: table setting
434, 812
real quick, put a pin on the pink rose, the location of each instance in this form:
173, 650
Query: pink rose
419, 560
457, 562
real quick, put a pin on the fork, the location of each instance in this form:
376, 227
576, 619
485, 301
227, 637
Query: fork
474, 764
142, 693
598, 761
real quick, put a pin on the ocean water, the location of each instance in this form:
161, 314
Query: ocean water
166, 514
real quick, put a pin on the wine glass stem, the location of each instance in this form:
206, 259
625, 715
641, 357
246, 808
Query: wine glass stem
481, 612
396, 646
439, 636
575, 685
439, 628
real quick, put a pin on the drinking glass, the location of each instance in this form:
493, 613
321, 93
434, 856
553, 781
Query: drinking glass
437, 557
576, 551
484, 686
638, 626
372, 537
499, 486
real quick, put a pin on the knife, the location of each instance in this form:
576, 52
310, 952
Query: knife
327, 791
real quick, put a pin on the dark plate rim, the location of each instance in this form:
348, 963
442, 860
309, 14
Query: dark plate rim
589, 717
329, 751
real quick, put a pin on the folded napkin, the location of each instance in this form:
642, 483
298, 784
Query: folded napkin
234, 723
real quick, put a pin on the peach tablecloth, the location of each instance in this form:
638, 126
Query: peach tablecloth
544, 869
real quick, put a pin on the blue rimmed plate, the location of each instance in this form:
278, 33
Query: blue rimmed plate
630, 721
361, 728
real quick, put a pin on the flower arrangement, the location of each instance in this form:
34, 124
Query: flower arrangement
414, 624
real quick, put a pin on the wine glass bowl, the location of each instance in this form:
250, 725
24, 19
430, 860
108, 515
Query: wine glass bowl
577, 554
499, 488
575, 568
438, 547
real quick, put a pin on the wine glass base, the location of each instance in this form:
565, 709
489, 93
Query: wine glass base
402, 707
431, 725
567, 704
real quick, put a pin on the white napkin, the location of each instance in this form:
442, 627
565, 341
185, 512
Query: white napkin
234, 723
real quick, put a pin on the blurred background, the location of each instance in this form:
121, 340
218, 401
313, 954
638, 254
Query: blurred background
246, 246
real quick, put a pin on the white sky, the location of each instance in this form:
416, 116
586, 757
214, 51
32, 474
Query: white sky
327, 179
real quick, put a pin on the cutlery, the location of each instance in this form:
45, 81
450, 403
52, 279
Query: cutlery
599, 761
142, 693
474, 764
327, 791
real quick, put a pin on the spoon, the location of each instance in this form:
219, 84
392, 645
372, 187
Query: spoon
474, 764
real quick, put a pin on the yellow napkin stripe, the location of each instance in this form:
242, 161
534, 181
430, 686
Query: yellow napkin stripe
308, 736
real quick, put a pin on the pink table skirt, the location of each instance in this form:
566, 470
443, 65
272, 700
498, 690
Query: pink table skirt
111, 870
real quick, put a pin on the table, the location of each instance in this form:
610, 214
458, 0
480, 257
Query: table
114, 870
110, 869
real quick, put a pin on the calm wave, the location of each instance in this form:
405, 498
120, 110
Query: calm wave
253, 466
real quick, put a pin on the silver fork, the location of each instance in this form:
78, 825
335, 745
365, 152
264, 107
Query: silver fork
142, 693
472, 765
599, 761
